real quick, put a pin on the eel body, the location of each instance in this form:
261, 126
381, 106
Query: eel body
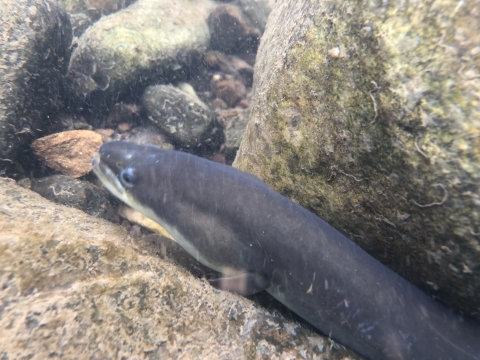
258, 239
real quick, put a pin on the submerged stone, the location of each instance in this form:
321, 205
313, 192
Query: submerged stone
137, 45
181, 116
34, 51
68, 152
75, 193
75, 286
369, 116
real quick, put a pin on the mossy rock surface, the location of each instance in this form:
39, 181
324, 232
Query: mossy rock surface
78, 287
103, 6
369, 116
35, 37
138, 45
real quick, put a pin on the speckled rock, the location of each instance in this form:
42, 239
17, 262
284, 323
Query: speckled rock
230, 65
69, 152
138, 45
74, 286
75, 193
369, 115
229, 90
34, 39
181, 116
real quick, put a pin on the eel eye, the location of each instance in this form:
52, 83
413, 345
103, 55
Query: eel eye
128, 177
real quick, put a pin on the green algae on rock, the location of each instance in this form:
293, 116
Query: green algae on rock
181, 116
74, 286
142, 41
369, 116
34, 50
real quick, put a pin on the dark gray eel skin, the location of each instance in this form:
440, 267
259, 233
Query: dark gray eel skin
233, 222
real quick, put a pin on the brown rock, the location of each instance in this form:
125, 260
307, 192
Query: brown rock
244, 103
211, 59
231, 65
229, 90
68, 152
78, 287
218, 104
231, 31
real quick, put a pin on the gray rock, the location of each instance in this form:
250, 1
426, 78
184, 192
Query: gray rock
69, 152
181, 116
75, 193
84, 13
232, 32
147, 135
73, 286
80, 23
36, 35
370, 118
257, 10
138, 45
102, 7
235, 124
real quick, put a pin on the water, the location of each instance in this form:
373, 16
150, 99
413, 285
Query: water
364, 114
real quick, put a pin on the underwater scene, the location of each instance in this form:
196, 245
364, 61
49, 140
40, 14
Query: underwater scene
239, 179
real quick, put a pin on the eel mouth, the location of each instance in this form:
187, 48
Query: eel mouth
108, 178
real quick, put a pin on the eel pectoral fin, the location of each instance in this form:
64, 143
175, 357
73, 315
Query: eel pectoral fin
244, 284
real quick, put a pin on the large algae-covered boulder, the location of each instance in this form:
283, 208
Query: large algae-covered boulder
138, 45
35, 36
368, 114
103, 7
77, 287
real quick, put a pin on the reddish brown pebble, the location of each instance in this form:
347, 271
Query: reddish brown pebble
124, 127
218, 157
218, 104
244, 103
211, 59
230, 91
68, 152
